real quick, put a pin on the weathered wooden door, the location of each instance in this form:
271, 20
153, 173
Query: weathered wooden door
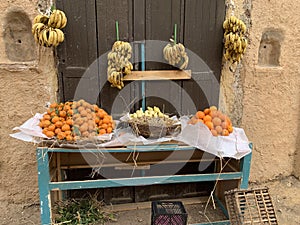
90, 34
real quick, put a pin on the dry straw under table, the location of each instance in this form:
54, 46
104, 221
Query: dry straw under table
253, 206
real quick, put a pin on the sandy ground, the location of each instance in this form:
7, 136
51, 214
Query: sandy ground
285, 193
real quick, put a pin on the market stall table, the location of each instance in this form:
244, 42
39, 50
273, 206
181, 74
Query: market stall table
114, 156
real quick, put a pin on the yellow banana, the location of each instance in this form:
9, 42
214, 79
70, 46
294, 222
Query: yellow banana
63, 19
60, 35
51, 21
55, 38
58, 19
51, 37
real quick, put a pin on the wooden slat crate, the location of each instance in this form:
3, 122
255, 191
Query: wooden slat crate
253, 206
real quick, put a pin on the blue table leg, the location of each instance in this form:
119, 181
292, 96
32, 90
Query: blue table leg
43, 182
245, 169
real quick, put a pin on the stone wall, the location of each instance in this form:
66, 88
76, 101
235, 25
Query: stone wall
262, 96
27, 81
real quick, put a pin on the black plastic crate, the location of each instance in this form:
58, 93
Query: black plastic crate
168, 213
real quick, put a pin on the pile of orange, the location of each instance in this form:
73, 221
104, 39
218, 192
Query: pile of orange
215, 120
75, 120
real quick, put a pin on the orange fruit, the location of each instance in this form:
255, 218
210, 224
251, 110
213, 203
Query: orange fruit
230, 129
65, 127
69, 121
46, 123
207, 118
57, 130
41, 124
200, 115
51, 127
70, 112
225, 132
206, 111
104, 126
109, 130
53, 105
68, 132
58, 124
209, 124
102, 131
106, 119
49, 134
217, 121
46, 117
53, 113
45, 130
61, 136
62, 113
55, 119
97, 119
69, 138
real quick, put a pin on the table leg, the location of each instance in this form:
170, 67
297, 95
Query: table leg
245, 169
43, 182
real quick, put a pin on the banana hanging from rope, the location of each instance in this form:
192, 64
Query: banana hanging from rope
119, 63
235, 42
46, 29
175, 55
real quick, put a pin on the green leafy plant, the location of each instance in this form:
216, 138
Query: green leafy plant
81, 212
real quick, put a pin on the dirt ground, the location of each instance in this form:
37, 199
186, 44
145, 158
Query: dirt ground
285, 193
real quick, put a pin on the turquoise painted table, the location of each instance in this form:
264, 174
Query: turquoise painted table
46, 185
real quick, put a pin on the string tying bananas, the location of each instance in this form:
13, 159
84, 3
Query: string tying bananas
175, 55
234, 38
118, 63
46, 29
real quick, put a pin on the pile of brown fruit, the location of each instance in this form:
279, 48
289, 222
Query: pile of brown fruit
75, 120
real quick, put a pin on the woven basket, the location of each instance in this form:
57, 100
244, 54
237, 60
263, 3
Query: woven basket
154, 131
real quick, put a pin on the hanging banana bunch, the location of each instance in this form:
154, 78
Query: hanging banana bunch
234, 38
175, 55
46, 29
118, 63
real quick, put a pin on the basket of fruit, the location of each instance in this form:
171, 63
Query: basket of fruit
152, 123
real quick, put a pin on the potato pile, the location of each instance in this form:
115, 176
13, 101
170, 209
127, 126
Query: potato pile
218, 123
76, 120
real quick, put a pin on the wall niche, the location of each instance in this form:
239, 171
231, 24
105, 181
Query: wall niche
269, 49
17, 37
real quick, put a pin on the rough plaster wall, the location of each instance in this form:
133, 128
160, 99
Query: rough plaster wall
24, 90
269, 110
